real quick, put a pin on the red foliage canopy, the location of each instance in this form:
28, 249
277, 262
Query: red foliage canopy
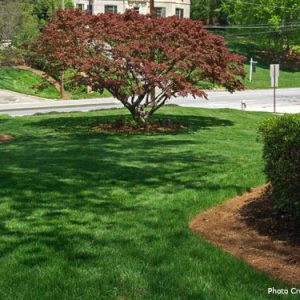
62, 40
130, 54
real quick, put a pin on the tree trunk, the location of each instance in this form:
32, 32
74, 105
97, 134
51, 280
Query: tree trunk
62, 83
140, 117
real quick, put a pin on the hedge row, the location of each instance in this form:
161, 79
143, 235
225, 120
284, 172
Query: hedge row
281, 137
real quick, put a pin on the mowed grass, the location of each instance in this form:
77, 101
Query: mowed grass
81, 94
261, 78
25, 82
87, 215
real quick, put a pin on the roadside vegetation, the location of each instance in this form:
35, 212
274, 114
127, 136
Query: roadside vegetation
26, 82
82, 94
261, 78
98, 215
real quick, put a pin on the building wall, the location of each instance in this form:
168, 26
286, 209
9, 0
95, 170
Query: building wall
168, 5
99, 5
85, 3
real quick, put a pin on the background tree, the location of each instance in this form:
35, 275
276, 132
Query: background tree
115, 52
209, 11
282, 18
17, 26
44, 9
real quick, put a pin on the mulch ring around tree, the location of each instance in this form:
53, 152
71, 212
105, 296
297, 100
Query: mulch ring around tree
5, 138
131, 128
247, 227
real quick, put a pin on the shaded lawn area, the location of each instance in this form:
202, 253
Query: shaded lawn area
105, 216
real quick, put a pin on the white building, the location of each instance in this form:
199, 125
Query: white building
163, 8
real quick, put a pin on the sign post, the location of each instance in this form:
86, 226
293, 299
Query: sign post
252, 68
250, 74
274, 73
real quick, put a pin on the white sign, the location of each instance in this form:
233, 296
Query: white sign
274, 73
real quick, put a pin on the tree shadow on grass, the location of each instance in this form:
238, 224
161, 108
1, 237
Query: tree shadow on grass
82, 125
78, 198
52, 188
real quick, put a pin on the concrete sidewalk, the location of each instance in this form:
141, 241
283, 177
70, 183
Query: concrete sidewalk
9, 97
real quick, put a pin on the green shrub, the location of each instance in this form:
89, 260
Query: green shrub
281, 137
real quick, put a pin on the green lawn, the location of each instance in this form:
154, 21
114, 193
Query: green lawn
25, 82
86, 215
261, 79
80, 94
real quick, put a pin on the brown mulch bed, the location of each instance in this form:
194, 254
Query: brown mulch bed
5, 138
247, 227
129, 128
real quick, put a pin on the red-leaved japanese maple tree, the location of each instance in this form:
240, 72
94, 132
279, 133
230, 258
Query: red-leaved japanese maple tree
130, 54
61, 41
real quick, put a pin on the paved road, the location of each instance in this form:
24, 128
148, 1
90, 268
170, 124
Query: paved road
288, 101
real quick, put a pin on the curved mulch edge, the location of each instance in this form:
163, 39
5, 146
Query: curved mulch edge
225, 226
130, 129
5, 138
